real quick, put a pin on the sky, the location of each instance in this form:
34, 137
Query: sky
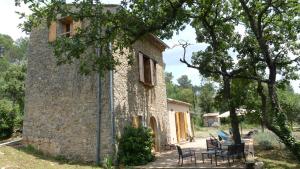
10, 20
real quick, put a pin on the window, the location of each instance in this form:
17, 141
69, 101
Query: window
64, 27
147, 70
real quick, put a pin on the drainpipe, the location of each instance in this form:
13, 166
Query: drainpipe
111, 103
99, 111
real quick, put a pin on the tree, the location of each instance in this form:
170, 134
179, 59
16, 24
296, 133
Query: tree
217, 30
186, 95
179, 92
168, 77
6, 118
207, 98
12, 84
122, 26
184, 81
269, 40
290, 104
273, 26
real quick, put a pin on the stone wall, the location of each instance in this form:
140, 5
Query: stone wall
133, 98
61, 105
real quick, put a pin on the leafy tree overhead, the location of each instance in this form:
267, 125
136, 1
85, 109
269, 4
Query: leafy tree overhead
273, 25
217, 30
121, 25
270, 37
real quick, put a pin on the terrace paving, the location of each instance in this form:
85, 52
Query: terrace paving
169, 158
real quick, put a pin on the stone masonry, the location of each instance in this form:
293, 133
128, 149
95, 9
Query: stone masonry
61, 104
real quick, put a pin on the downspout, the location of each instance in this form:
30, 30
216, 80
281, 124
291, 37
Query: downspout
99, 112
111, 103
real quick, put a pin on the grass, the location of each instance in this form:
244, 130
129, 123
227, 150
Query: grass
274, 154
28, 158
276, 158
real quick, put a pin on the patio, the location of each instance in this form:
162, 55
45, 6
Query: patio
169, 158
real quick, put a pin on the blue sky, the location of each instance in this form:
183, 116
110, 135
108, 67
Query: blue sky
9, 22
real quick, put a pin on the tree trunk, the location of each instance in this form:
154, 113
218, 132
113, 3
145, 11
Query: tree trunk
233, 117
279, 128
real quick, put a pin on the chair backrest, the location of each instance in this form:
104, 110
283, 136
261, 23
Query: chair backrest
179, 150
231, 149
212, 143
236, 148
240, 148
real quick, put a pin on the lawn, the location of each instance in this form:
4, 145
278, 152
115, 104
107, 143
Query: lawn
276, 158
27, 158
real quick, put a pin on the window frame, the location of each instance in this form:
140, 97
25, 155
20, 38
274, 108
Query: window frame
149, 77
63, 26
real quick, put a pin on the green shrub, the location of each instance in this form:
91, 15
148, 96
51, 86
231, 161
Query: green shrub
108, 162
266, 144
135, 146
197, 121
266, 140
7, 117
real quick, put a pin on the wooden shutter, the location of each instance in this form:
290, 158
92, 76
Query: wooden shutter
76, 25
177, 126
52, 32
185, 124
141, 67
136, 121
152, 72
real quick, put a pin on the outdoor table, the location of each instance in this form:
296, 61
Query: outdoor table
227, 143
210, 153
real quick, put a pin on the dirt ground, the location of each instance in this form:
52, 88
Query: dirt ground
169, 158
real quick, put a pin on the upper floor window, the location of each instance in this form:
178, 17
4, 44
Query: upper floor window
66, 25
147, 70
63, 27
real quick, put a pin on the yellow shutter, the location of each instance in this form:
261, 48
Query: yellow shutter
185, 124
177, 126
52, 32
76, 25
136, 121
141, 67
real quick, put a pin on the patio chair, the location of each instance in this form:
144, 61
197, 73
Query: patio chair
185, 153
213, 146
235, 150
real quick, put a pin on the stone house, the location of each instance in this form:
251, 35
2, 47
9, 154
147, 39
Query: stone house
62, 106
180, 121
